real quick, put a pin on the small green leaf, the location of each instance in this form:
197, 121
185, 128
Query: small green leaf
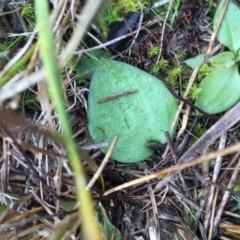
90, 61
67, 206
229, 31
3, 208
220, 90
142, 115
223, 60
237, 187
193, 62
109, 230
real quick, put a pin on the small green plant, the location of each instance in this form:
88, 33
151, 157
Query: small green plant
153, 50
209, 4
5, 46
131, 104
220, 88
161, 66
172, 76
155, 69
129, 6
28, 11
108, 229
191, 218
30, 101
195, 91
158, 11
237, 199
176, 237
237, 189
198, 131
90, 61
199, 197
204, 70
114, 10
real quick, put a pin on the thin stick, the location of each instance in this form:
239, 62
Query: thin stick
213, 214
177, 168
163, 29
222, 125
217, 167
225, 197
103, 164
118, 95
214, 34
89, 12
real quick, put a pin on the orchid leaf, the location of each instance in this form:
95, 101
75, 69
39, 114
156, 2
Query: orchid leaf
220, 90
229, 30
109, 230
223, 60
90, 61
193, 62
141, 111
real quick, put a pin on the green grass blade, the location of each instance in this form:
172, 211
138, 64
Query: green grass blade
17, 66
48, 55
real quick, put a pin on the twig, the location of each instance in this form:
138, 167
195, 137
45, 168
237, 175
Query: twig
118, 95
224, 123
175, 158
184, 100
177, 168
225, 197
217, 167
163, 29
230, 164
181, 195
103, 164
184, 121
139, 27
214, 34
88, 13
187, 136
113, 41
212, 217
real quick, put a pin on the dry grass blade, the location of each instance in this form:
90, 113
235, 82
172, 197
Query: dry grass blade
213, 37
174, 170
85, 19
225, 197
49, 58
67, 227
217, 168
103, 164
227, 121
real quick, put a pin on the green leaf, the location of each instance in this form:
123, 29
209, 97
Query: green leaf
229, 31
220, 90
223, 60
193, 62
237, 187
3, 208
109, 230
90, 61
139, 117
67, 206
